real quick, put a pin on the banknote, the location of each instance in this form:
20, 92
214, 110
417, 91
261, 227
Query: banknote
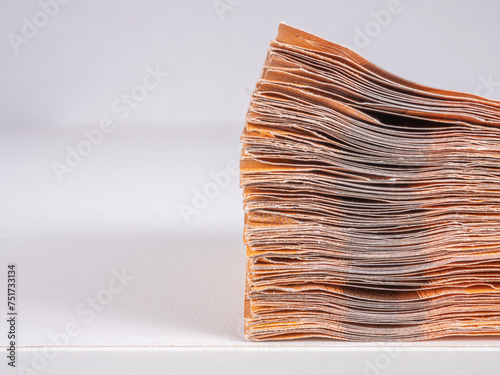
371, 203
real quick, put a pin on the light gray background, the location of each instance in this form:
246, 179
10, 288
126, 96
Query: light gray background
92, 51
120, 207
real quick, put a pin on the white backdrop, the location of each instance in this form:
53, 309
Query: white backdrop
90, 52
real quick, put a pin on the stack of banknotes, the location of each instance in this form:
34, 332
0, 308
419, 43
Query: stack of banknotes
372, 204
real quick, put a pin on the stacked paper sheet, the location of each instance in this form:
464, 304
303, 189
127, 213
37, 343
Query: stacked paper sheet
372, 204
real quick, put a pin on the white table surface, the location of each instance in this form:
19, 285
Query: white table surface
183, 310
